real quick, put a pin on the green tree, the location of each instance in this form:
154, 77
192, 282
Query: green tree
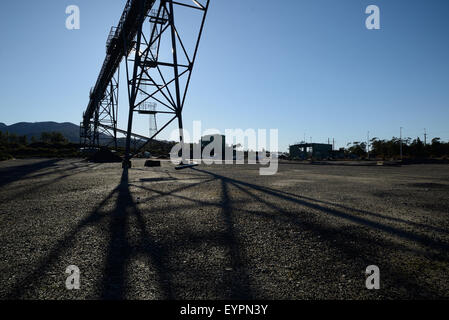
12, 138
23, 140
417, 149
45, 137
437, 148
358, 149
57, 137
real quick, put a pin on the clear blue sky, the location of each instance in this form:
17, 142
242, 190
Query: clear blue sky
303, 66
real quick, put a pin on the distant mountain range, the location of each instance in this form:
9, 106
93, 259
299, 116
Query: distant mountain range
34, 129
70, 131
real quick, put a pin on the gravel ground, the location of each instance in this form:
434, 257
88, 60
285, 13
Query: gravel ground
222, 231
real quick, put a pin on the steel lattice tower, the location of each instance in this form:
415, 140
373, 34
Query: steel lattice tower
158, 62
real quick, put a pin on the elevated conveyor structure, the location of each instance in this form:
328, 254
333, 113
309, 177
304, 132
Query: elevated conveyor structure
158, 65
119, 44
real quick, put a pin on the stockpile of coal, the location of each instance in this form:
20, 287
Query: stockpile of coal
104, 156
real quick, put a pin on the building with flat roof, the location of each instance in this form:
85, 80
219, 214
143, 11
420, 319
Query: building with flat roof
311, 150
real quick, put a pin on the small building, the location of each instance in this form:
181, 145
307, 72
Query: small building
311, 150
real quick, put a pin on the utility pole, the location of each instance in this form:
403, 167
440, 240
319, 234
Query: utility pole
425, 137
367, 145
400, 142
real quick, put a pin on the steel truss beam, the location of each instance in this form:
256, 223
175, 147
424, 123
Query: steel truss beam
158, 75
104, 124
137, 138
116, 49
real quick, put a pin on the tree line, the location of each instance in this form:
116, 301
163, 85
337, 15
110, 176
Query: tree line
386, 149
45, 137
49, 144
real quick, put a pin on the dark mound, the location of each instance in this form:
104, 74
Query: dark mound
104, 156
152, 163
